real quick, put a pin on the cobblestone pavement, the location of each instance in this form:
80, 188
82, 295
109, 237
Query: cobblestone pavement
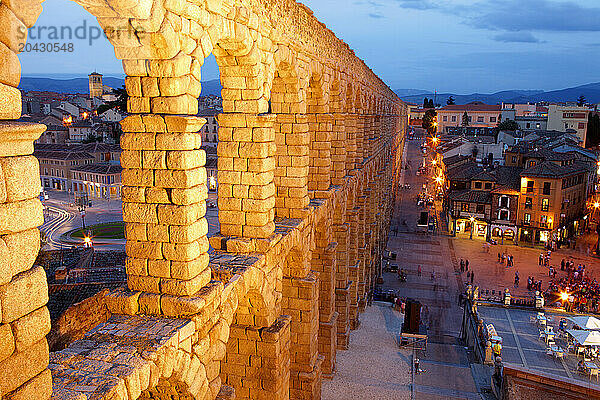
373, 367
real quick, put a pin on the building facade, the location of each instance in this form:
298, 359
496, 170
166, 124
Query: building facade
563, 118
101, 181
552, 201
478, 115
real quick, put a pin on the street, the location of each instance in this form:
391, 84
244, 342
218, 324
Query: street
448, 373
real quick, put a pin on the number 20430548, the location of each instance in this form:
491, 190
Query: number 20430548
46, 47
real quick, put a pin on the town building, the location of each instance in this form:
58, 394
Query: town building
210, 130
80, 131
55, 167
553, 201
479, 115
54, 134
101, 180
57, 162
563, 118
95, 84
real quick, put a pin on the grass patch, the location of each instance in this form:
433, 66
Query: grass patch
110, 230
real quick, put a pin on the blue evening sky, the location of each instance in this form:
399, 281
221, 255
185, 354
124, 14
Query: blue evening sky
461, 46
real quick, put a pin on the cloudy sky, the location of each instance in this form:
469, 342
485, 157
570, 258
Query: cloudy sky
462, 46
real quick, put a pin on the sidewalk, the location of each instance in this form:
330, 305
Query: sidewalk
373, 367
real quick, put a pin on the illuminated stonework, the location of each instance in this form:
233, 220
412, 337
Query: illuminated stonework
307, 153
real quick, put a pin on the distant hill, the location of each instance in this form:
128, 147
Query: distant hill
80, 85
591, 92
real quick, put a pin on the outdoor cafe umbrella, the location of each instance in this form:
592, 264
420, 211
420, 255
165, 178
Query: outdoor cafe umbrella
585, 338
586, 322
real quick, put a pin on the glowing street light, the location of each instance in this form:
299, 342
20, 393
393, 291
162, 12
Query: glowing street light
439, 180
596, 205
564, 296
472, 219
434, 162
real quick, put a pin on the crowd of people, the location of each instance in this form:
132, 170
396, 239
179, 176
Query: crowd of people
583, 292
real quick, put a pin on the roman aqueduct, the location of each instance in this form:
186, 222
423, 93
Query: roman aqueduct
307, 153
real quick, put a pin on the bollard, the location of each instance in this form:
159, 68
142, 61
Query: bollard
506, 297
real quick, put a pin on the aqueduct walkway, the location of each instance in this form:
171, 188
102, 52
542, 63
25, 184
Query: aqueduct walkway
308, 155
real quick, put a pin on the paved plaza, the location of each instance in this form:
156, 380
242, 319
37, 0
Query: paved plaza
491, 275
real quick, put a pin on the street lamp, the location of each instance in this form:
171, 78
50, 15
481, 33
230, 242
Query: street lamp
472, 219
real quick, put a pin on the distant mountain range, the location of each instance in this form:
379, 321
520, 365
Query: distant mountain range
80, 85
591, 91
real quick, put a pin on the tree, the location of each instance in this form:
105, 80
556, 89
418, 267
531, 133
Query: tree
592, 136
581, 101
431, 105
429, 121
425, 102
120, 103
508, 125
450, 101
465, 119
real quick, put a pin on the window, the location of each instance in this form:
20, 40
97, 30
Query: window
454, 118
503, 202
480, 208
464, 207
477, 185
529, 186
503, 215
546, 189
528, 202
479, 119
531, 164
492, 119
514, 159
543, 219
526, 219
528, 125
445, 118
545, 204
581, 125
488, 185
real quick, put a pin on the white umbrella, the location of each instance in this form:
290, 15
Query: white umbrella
586, 322
585, 338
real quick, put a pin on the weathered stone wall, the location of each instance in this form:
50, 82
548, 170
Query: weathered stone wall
77, 320
308, 153
523, 383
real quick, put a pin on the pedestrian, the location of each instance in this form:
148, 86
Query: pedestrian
499, 258
472, 276
468, 276
467, 265
516, 279
417, 369
503, 257
562, 265
541, 259
462, 265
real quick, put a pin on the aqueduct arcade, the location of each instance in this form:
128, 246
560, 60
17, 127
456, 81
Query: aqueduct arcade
307, 159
